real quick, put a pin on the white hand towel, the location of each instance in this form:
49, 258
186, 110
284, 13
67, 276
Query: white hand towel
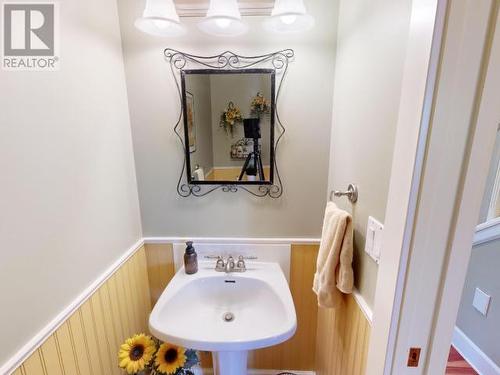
334, 274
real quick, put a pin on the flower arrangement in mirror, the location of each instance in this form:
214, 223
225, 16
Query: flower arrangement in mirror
259, 105
143, 355
230, 118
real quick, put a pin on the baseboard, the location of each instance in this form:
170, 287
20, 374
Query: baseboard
473, 354
32, 345
258, 372
274, 372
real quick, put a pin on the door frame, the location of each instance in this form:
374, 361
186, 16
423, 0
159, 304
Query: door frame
484, 128
405, 313
419, 79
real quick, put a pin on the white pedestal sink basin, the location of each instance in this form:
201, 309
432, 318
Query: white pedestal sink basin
226, 313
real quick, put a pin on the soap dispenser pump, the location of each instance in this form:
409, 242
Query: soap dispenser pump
190, 259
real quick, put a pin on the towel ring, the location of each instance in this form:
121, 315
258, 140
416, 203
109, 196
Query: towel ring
351, 193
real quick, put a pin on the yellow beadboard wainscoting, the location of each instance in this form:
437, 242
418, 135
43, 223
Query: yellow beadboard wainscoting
87, 342
331, 342
342, 340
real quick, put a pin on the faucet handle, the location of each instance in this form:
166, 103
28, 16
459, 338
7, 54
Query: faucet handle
241, 263
211, 256
219, 265
249, 257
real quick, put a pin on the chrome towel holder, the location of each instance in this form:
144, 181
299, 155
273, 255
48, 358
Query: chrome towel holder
351, 193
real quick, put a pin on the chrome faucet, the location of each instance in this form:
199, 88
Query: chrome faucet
229, 265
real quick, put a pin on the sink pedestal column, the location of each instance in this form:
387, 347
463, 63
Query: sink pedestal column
230, 363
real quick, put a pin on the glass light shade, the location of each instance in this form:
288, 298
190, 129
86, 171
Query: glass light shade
289, 16
160, 18
223, 19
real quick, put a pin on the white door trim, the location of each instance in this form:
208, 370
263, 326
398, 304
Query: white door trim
447, 207
421, 66
447, 152
469, 201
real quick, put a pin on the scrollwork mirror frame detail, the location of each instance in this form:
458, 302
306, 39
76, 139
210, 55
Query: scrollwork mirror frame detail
230, 61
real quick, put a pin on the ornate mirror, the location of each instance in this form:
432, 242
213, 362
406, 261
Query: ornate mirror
229, 125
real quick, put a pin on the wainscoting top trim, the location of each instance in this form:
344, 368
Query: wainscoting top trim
29, 348
365, 308
235, 240
487, 232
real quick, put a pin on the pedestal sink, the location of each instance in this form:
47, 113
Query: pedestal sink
226, 313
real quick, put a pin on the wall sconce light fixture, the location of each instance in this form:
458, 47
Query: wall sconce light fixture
161, 19
223, 19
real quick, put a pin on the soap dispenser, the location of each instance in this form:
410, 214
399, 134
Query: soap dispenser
190, 259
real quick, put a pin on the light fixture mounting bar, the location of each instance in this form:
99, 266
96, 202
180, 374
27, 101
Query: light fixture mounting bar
199, 9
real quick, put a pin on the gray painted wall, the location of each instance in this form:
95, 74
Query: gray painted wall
305, 108
483, 273
371, 50
69, 205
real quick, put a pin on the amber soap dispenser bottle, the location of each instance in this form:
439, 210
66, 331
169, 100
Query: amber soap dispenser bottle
190, 259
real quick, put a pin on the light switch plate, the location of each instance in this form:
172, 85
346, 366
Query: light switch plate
481, 301
373, 244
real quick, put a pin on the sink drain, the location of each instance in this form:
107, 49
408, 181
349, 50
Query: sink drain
228, 317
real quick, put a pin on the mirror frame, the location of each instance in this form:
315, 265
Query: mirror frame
187, 152
229, 62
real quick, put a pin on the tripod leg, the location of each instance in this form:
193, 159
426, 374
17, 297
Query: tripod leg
261, 169
243, 170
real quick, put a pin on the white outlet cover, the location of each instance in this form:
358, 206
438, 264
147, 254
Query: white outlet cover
481, 301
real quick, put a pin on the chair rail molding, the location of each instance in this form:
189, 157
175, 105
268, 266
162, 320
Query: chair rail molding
487, 232
363, 305
235, 240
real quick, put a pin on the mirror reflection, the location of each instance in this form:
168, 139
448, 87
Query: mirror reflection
229, 125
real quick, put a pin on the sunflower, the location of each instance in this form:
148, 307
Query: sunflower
170, 358
136, 353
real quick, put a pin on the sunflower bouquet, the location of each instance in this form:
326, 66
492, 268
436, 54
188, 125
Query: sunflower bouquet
259, 105
141, 354
230, 118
